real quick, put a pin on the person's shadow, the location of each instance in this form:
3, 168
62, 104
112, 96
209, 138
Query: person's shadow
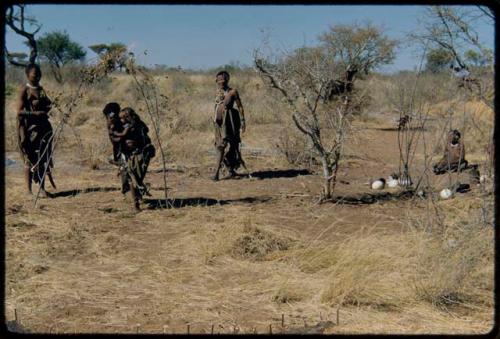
75, 192
200, 201
273, 174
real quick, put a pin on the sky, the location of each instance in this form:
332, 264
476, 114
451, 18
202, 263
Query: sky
207, 36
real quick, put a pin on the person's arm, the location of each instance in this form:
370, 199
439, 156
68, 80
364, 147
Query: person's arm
241, 110
20, 101
122, 134
48, 102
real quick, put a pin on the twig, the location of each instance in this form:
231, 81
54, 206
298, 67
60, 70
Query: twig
133, 70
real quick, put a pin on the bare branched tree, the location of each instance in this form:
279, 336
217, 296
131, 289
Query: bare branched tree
452, 28
318, 85
156, 103
17, 20
89, 76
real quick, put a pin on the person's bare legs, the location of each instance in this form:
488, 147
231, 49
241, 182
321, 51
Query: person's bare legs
43, 192
220, 157
135, 198
28, 178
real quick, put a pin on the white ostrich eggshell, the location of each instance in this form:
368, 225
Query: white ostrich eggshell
392, 183
445, 193
377, 185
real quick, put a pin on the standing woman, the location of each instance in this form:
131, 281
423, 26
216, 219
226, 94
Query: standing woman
34, 129
227, 123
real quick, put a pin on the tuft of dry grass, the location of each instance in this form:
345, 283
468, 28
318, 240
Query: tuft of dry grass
427, 267
257, 244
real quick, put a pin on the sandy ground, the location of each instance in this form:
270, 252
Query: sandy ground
82, 261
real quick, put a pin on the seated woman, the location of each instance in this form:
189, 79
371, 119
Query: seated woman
137, 151
454, 155
34, 130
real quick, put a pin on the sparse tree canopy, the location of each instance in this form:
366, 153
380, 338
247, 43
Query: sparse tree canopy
58, 50
438, 60
476, 59
101, 49
117, 49
452, 29
17, 20
318, 84
360, 48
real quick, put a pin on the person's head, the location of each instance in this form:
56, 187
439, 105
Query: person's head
222, 79
111, 110
127, 114
454, 136
33, 73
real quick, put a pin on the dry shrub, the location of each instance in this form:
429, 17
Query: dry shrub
189, 147
378, 86
366, 270
294, 147
94, 155
10, 135
444, 266
220, 241
256, 244
245, 241
14, 75
455, 267
288, 293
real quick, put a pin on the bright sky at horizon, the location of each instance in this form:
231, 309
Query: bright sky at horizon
206, 36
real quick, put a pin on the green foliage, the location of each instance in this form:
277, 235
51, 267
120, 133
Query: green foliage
438, 60
9, 90
477, 59
102, 49
20, 56
362, 48
58, 49
117, 50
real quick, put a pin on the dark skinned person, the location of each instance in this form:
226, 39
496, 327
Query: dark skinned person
34, 130
227, 124
453, 159
136, 153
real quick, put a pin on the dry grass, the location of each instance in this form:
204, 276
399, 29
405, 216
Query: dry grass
250, 250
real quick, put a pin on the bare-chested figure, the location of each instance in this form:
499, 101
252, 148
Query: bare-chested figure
454, 155
136, 152
227, 123
113, 123
34, 130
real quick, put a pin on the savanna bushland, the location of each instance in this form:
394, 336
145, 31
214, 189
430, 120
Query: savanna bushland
285, 250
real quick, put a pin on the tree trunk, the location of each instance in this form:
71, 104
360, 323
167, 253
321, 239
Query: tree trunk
327, 174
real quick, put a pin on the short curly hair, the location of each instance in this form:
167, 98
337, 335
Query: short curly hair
225, 74
31, 66
110, 108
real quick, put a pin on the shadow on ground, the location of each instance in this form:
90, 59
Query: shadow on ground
80, 191
200, 201
371, 198
395, 129
289, 173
